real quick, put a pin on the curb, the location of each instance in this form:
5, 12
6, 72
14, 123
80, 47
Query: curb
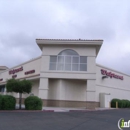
48, 111
20, 110
56, 110
91, 110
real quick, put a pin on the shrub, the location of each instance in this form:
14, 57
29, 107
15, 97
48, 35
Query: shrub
121, 103
1, 102
125, 103
129, 104
113, 103
33, 103
8, 102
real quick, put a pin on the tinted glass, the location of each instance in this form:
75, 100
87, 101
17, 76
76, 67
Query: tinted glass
68, 52
60, 66
83, 67
60, 59
83, 59
75, 59
75, 67
68, 67
52, 66
53, 59
67, 59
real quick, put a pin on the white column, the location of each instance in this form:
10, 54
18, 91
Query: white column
43, 88
91, 90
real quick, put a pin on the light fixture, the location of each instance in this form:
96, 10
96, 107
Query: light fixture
103, 77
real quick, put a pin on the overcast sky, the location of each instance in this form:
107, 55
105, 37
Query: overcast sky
22, 21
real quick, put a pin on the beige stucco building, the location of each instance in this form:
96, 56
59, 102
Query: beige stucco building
66, 75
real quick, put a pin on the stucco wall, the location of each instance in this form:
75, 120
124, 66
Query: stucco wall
74, 90
35, 86
89, 51
30, 65
116, 87
54, 89
72, 85
70, 90
81, 50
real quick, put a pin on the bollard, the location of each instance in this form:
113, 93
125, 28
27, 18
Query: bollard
116, 104
109, 104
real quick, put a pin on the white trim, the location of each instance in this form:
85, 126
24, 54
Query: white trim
112, 87
72, 72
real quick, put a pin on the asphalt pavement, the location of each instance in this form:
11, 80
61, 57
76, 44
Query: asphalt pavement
40, 120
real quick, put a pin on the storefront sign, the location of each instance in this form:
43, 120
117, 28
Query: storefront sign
1, 79
29, 72
14, 76
111, 75
15, 70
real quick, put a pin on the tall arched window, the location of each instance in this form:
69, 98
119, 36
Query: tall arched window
68, 60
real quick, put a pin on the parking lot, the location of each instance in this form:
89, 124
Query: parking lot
91, 120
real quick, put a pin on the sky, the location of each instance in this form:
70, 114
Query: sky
23, 21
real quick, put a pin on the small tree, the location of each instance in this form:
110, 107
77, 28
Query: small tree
23, 86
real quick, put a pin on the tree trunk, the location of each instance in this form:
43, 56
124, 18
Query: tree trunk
20, 100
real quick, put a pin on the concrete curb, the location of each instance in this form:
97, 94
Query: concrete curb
58, 110
48, 111
90, 110
20, 110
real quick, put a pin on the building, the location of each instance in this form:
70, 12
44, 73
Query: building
2, 68
66, 75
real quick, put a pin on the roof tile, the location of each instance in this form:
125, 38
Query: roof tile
73, 39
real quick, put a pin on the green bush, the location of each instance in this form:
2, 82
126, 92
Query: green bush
1, 102
125, 103
113, 103
129, 104
8, 102
33, 103
121, 103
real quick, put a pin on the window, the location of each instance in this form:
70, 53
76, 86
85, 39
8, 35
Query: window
68, 60
2, 88
53, 61
83, 63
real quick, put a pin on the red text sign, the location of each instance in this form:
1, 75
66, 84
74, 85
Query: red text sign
29, 72
15, 70
111, 75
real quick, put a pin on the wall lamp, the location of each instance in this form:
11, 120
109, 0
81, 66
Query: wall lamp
103, 77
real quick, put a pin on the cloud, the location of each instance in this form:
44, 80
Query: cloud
17, 48
21, 22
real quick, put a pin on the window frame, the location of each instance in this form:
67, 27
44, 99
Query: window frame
57, 63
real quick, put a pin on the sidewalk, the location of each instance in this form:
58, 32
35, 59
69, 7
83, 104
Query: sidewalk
66, 109
63, 109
